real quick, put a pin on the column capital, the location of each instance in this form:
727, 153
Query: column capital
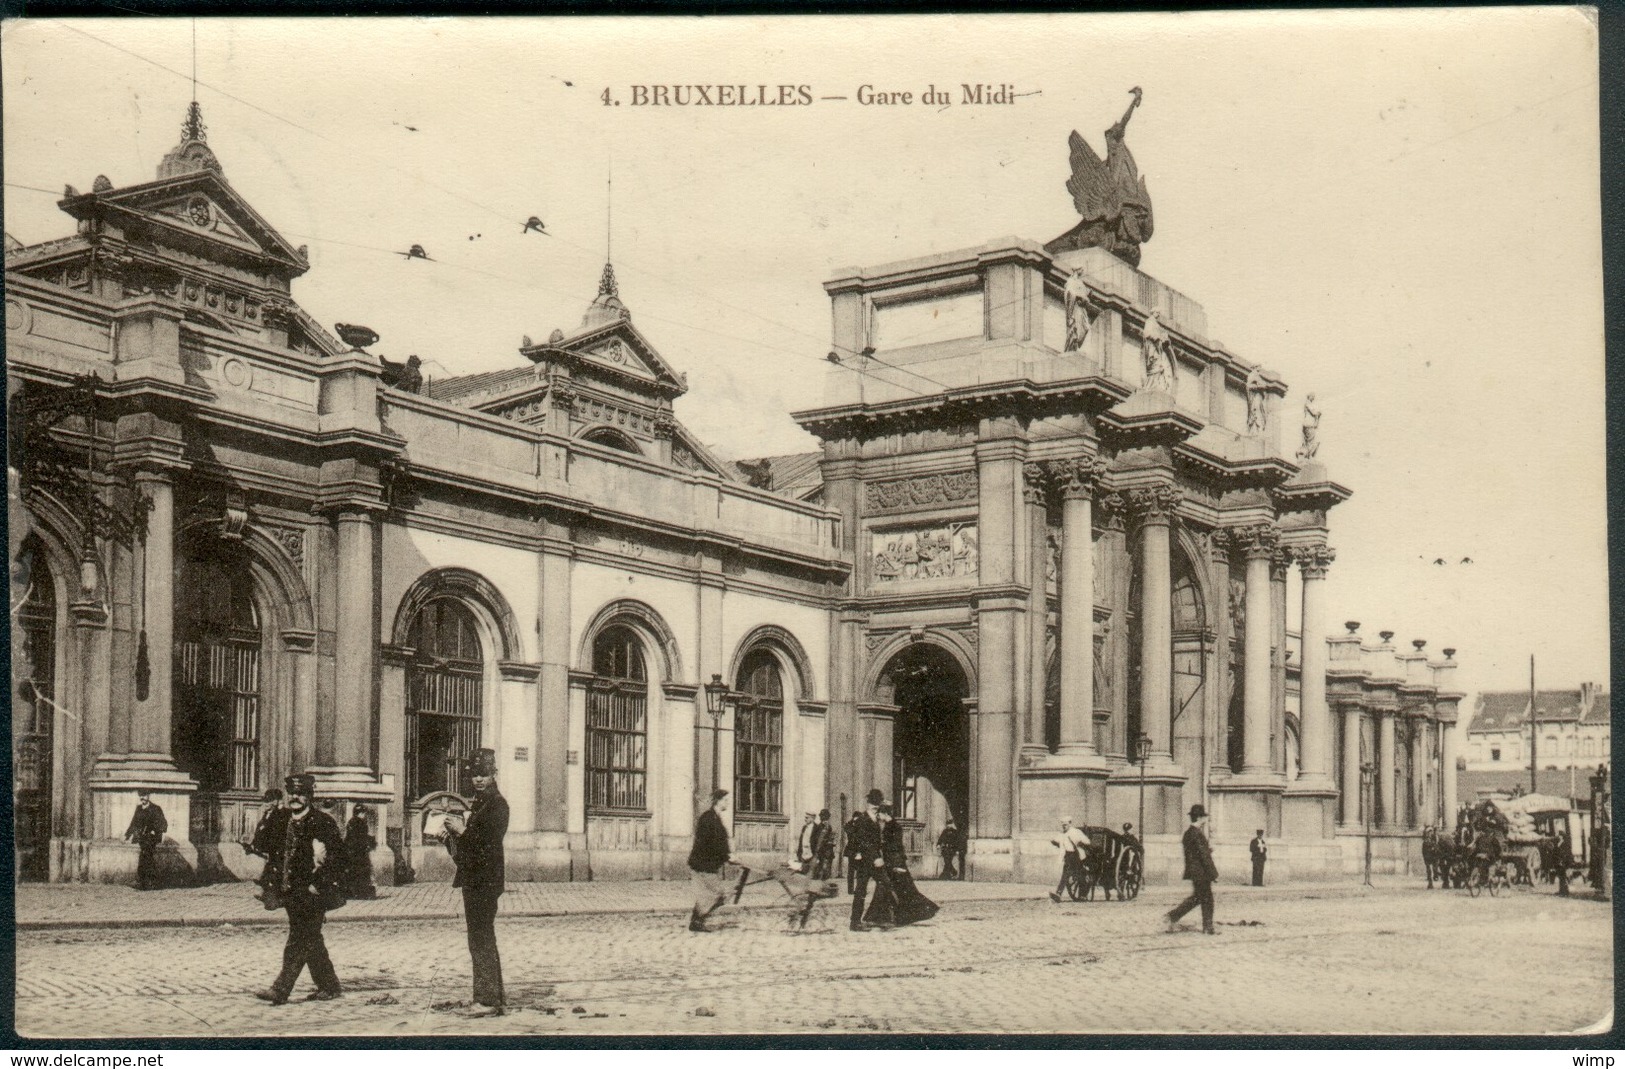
1257, 542
1110, 509
1314, 559
1219, 543
1071, 477
1154, 503
1280, 562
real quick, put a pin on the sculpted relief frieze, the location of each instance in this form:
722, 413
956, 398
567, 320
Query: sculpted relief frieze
945, 551
895, 495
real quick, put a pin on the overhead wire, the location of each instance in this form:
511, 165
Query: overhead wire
867, 355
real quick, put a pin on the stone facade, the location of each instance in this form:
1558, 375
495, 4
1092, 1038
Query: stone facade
1038, 570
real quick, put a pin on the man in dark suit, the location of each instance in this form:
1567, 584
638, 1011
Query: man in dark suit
1563, 858
476, 844
823, 846
705, 860
1199, 871
305, 853
1259, 851
864, 843
146, 830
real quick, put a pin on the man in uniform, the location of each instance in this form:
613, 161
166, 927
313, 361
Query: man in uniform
476, 843
304, 853
146, 830
1260, 851
705, 860
1563, 859
804, 843
864, 844
823, 846
1199, 871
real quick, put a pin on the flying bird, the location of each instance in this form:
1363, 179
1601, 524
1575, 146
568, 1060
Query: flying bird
475, 237
406, 127
416, 253
537, 225
1439, 561
1466, 560
833, 357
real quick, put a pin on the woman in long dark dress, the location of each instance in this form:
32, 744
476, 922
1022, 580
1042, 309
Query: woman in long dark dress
904, 904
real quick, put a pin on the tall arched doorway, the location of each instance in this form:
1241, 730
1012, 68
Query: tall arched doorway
32, 717
219, 650
445, 699
930, 737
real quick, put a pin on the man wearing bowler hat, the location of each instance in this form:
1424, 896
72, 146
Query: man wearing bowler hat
706, 858
304, 852
476, 843
146, 830
867, 863
1199, 871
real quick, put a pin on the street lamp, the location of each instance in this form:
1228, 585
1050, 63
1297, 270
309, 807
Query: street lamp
1601, 865
1367, 774
1142, 750
716, 701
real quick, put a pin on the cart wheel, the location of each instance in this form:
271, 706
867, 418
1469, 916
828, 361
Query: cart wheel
1087, 881
1074, 884
1475, 881
1128, 875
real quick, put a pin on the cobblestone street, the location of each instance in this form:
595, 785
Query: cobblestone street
996, 959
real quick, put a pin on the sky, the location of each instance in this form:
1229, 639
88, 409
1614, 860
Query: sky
1396, 211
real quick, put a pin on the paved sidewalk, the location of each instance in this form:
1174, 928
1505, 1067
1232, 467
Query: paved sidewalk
79, 905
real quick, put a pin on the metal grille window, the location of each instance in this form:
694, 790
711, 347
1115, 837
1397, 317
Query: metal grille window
217, 670
759, 736
445, 691
618, 723
31, 722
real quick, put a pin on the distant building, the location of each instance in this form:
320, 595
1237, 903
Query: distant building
1571, 740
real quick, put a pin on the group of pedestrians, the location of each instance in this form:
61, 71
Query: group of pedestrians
312, 869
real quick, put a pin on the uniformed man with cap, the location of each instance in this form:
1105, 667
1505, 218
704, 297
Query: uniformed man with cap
303, 857
864, 842
476, 844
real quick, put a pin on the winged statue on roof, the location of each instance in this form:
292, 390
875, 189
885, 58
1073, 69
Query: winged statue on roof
1109, 195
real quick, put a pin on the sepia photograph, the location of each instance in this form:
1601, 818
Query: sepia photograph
813, 528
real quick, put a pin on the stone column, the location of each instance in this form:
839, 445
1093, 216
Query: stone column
151, 720
1035, 495
1077, 640
1259, 545
347, 734
1313, 718
1385, 765
1447, 787
1353, 791
1419, 771
1155, 506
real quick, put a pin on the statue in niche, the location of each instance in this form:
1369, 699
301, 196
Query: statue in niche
1081, 312
1157, 350
1256, 419
1311, 430
1052, 558
1110, 196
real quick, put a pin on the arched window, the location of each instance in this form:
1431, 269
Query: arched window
617, 722
216, 725
34, 675
759, 736
445, 695
612, 438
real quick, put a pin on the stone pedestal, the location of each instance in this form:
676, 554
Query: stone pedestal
116, 783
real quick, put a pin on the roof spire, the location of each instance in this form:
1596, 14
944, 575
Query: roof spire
193, 129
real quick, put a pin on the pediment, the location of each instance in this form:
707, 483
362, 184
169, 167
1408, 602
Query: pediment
618, 351
199, 205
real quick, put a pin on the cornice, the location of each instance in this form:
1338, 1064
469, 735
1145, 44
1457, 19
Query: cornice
1013, 397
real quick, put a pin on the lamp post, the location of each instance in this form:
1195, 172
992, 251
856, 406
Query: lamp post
1601, 865
716, 701
1142, 750
1367, 775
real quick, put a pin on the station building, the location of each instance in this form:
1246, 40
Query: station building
1038, 569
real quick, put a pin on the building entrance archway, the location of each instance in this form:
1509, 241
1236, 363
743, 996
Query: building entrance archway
930, 739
